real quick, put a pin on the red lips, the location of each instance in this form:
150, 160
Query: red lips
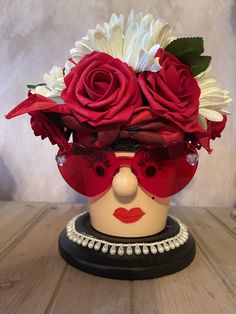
128, 216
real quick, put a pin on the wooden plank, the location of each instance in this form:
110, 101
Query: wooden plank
83, 293
224, 216
217, 244
2, 203
34, 279
30, 272
15, 219
196, 289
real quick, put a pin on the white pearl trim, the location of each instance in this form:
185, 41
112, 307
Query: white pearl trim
121, 249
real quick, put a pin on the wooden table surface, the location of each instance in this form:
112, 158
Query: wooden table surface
34, 278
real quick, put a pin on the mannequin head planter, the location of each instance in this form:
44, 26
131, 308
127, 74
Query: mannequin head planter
129, 112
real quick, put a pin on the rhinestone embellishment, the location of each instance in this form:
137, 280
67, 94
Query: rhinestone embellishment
192, 159
60, 159
127, 249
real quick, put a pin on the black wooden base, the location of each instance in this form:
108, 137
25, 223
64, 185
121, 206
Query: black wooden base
126, 267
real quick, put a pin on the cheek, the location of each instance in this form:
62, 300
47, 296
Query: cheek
93, 199
159, 200
162, 201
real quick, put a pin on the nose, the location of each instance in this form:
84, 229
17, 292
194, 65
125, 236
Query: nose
125, 183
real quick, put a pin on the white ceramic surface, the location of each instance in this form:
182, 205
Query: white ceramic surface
38, 34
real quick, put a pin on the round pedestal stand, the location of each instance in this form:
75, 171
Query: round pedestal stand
126, 258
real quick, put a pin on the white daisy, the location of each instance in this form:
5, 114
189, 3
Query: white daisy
134, 42
214, 100
54, 85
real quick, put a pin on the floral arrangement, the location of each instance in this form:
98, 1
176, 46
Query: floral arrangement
129, 80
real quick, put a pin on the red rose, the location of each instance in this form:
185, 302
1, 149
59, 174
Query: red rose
41, 109
44, 127
101, 90
172, 92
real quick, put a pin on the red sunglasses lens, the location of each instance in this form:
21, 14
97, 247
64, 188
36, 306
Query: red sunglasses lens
165, 177
162, 172
89, 174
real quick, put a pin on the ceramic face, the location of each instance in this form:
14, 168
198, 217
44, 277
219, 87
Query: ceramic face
128, 192
127, 210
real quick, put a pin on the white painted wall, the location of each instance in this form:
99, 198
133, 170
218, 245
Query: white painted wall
38, 34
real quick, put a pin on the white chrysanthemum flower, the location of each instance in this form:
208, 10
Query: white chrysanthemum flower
214, 100
54, 85
68, 66
134, 42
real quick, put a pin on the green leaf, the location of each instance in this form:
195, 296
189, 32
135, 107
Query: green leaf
191, 46
34, 86
198, 64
